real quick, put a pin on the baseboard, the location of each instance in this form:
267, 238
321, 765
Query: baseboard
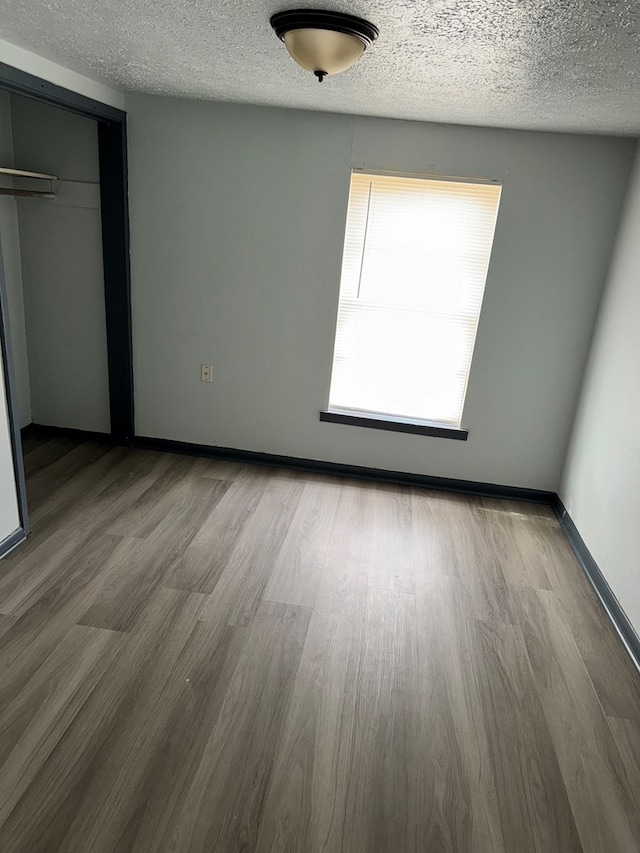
316, 466
12, 541
613, 609
45, 431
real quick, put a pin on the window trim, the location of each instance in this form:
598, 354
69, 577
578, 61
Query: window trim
371, 420
398, 423
427, 176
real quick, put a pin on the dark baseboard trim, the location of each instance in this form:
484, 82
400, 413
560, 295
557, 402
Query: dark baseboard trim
12, 541
44, 431
614, 611
316, 466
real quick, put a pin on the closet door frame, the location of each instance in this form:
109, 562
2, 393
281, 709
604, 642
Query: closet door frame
22, 532
114, 209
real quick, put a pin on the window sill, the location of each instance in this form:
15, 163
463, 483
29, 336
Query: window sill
371, 421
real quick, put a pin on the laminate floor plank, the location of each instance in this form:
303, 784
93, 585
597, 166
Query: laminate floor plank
602, 653
390, 539
60, 577
626, 734
69, 786
102, 822
71, 506
344, 583
38, 452
433, 523
379, 790
532, 512
299, 566
600, 647
32, 725
52, 489
489, 591
605, 812
35, 557
149, 510
223, 808
6, 622
240, 587
458, 787
535, 813
89, 509
204, 671
208, 554
35, 634
305, 802
222, 469
203, 656
48, 549
138, 566
508, 530
126, 481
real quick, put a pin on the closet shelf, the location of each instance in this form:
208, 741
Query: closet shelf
23, 173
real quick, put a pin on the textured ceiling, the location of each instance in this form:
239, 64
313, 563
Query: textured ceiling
547, 64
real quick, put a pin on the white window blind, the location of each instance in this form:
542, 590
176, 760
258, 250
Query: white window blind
414, 268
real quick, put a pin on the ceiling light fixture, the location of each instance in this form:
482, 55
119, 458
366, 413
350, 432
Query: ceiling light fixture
323, 42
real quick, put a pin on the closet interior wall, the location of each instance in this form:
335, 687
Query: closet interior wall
57, 291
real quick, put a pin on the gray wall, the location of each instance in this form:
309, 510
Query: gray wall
237, 218
61, 251
10, 237
601, 483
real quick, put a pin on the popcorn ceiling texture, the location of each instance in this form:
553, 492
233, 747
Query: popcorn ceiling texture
542, 64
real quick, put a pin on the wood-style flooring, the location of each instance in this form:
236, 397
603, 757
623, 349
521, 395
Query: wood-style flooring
203, 657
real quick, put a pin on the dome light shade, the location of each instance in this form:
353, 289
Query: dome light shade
324, 50
323, 42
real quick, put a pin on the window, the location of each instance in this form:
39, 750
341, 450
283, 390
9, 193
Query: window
415, 263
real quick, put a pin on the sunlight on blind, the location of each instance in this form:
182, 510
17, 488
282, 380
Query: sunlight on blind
414, 268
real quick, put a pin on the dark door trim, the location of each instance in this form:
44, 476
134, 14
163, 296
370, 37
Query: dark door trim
114, 208
12, 412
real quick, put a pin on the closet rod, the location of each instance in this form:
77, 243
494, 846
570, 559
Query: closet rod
27, 193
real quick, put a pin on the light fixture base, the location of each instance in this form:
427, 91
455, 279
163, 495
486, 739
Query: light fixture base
320, 19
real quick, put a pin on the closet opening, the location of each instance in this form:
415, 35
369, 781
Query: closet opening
65, 312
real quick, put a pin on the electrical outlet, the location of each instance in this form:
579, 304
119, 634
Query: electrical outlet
206, 373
